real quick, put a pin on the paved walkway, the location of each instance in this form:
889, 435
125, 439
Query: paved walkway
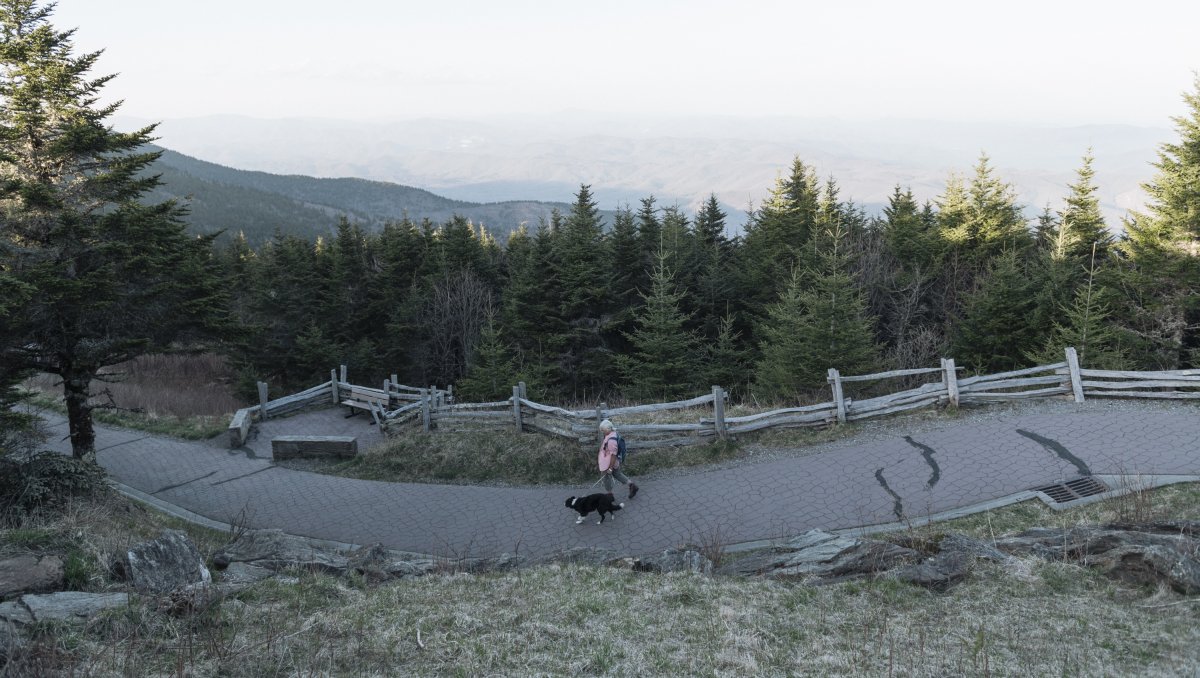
941, 466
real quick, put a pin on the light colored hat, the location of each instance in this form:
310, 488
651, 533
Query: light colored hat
606, 425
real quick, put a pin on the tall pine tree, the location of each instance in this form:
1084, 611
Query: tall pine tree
112, 277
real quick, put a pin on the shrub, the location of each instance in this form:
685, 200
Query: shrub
46, 479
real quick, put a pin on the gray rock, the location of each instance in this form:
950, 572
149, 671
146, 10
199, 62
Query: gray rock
1161, 554
11, 641
959, 543
371, 562
14, 612
501, 563
243, 573
580, 555
820, 554
1151, 565
30, 573
939, 572
675, 560
275, 551
170, 562
414, 568
71, 605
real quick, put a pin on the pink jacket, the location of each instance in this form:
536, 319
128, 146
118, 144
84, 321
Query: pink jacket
607, 459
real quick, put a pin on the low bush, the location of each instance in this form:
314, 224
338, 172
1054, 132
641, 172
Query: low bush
46, 479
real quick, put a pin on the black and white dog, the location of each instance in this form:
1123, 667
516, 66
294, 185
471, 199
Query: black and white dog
603, 503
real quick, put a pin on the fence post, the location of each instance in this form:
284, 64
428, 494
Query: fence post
333, 385
950, 379
262, 399
517, 407
387, 392
719, 411
599, 418
395, 380
426, 424
435, 397
521, 385
835, 380
343, 374
450, 393
1076, 378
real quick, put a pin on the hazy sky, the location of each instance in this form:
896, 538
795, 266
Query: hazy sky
1058, 62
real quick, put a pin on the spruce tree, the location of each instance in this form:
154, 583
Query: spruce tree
820, 321
1088, 236
112, 277
1162, 247
995, 333
492, 370
663, 364
1086, 326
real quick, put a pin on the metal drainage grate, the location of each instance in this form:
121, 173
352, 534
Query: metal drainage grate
1073, 490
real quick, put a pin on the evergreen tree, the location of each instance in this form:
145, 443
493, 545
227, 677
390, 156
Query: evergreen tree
776, 238
906, 234
1088, 237
710, 224
725, 360
817, 323
662, 366
112, 278
492, 370
1162, 303
531, 309
995, 334
585, 276
1088, 329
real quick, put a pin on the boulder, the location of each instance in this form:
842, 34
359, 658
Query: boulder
243, 574
938, 573
71, 606
959, 543
675, 560
821, 554
165, 564
1136, 554
14, 612
276, 551
30, 573
579, 555
11, 641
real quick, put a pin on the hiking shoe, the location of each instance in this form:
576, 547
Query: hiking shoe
633, 488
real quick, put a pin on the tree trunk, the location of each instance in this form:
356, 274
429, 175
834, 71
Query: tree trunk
76, 385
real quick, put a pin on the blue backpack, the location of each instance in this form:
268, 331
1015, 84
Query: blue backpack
621, 450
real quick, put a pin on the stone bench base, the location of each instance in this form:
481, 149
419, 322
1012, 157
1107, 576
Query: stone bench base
314, 447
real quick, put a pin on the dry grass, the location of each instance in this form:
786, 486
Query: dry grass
1028, 617
188, 396
1037, 619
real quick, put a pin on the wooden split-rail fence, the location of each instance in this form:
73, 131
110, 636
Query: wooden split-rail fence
432, 409
391, 401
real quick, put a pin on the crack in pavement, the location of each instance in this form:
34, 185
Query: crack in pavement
1057, 448
123, 443
186, 482
230, 480
927, 452
898, 506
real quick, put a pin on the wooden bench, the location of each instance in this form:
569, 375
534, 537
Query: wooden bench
372, 400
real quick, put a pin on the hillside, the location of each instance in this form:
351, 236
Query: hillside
259, 203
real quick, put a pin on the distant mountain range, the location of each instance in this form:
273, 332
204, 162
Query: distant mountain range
480, 165
221, 198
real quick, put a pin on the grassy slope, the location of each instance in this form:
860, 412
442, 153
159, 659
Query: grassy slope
1026, 618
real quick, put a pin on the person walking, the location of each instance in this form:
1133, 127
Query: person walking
610, 463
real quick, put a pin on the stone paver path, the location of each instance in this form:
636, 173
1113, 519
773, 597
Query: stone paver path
954, 464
